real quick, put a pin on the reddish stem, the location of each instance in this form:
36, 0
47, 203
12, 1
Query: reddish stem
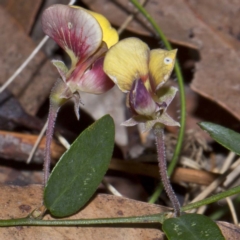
59, 95
52, 115
159, 137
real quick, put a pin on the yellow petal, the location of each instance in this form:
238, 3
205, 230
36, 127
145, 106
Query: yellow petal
110, 35
127, 61
160, 66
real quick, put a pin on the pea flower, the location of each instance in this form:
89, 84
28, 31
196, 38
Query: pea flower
85, 36
141, 73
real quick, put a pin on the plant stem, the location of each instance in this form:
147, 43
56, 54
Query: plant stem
159, 137
212, 199
155, 218
60, 93
52, 115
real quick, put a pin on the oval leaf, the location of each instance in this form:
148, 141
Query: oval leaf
192, 227
224, 136
80, 170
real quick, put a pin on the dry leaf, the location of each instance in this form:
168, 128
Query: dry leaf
13, 115
33, 85
222, 15
20, 175
230, 231
217, 75
17, 146
24, 11
17, 202
117, 12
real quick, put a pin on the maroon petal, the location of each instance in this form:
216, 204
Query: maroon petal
93, 80
140, 100
81, 67
75, 30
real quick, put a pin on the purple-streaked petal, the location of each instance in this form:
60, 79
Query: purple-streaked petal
76, 74
73, 29
140, 101
93, 80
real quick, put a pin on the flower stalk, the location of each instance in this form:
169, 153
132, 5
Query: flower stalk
142, 73
55, 103
52, 115
85, 36
158, 131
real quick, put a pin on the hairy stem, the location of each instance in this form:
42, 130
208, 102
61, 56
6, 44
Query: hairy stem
59, 95
159, 137
52, 115
155, 218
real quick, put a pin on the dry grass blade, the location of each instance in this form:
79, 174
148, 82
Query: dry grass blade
24, 64
129, 19
228, 161
111, 188
216, 183
36, 144
232, 210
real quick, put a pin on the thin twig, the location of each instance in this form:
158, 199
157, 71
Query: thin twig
63, 141
71, 2
111, 188
212, 199
227, 162
232, 177
159, 137
232, 210
24, 64
223, 170
208, 190
129, 19
201, 210
36, 144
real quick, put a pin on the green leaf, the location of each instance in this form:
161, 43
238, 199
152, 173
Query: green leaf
192, 227
81, 169
225, 136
